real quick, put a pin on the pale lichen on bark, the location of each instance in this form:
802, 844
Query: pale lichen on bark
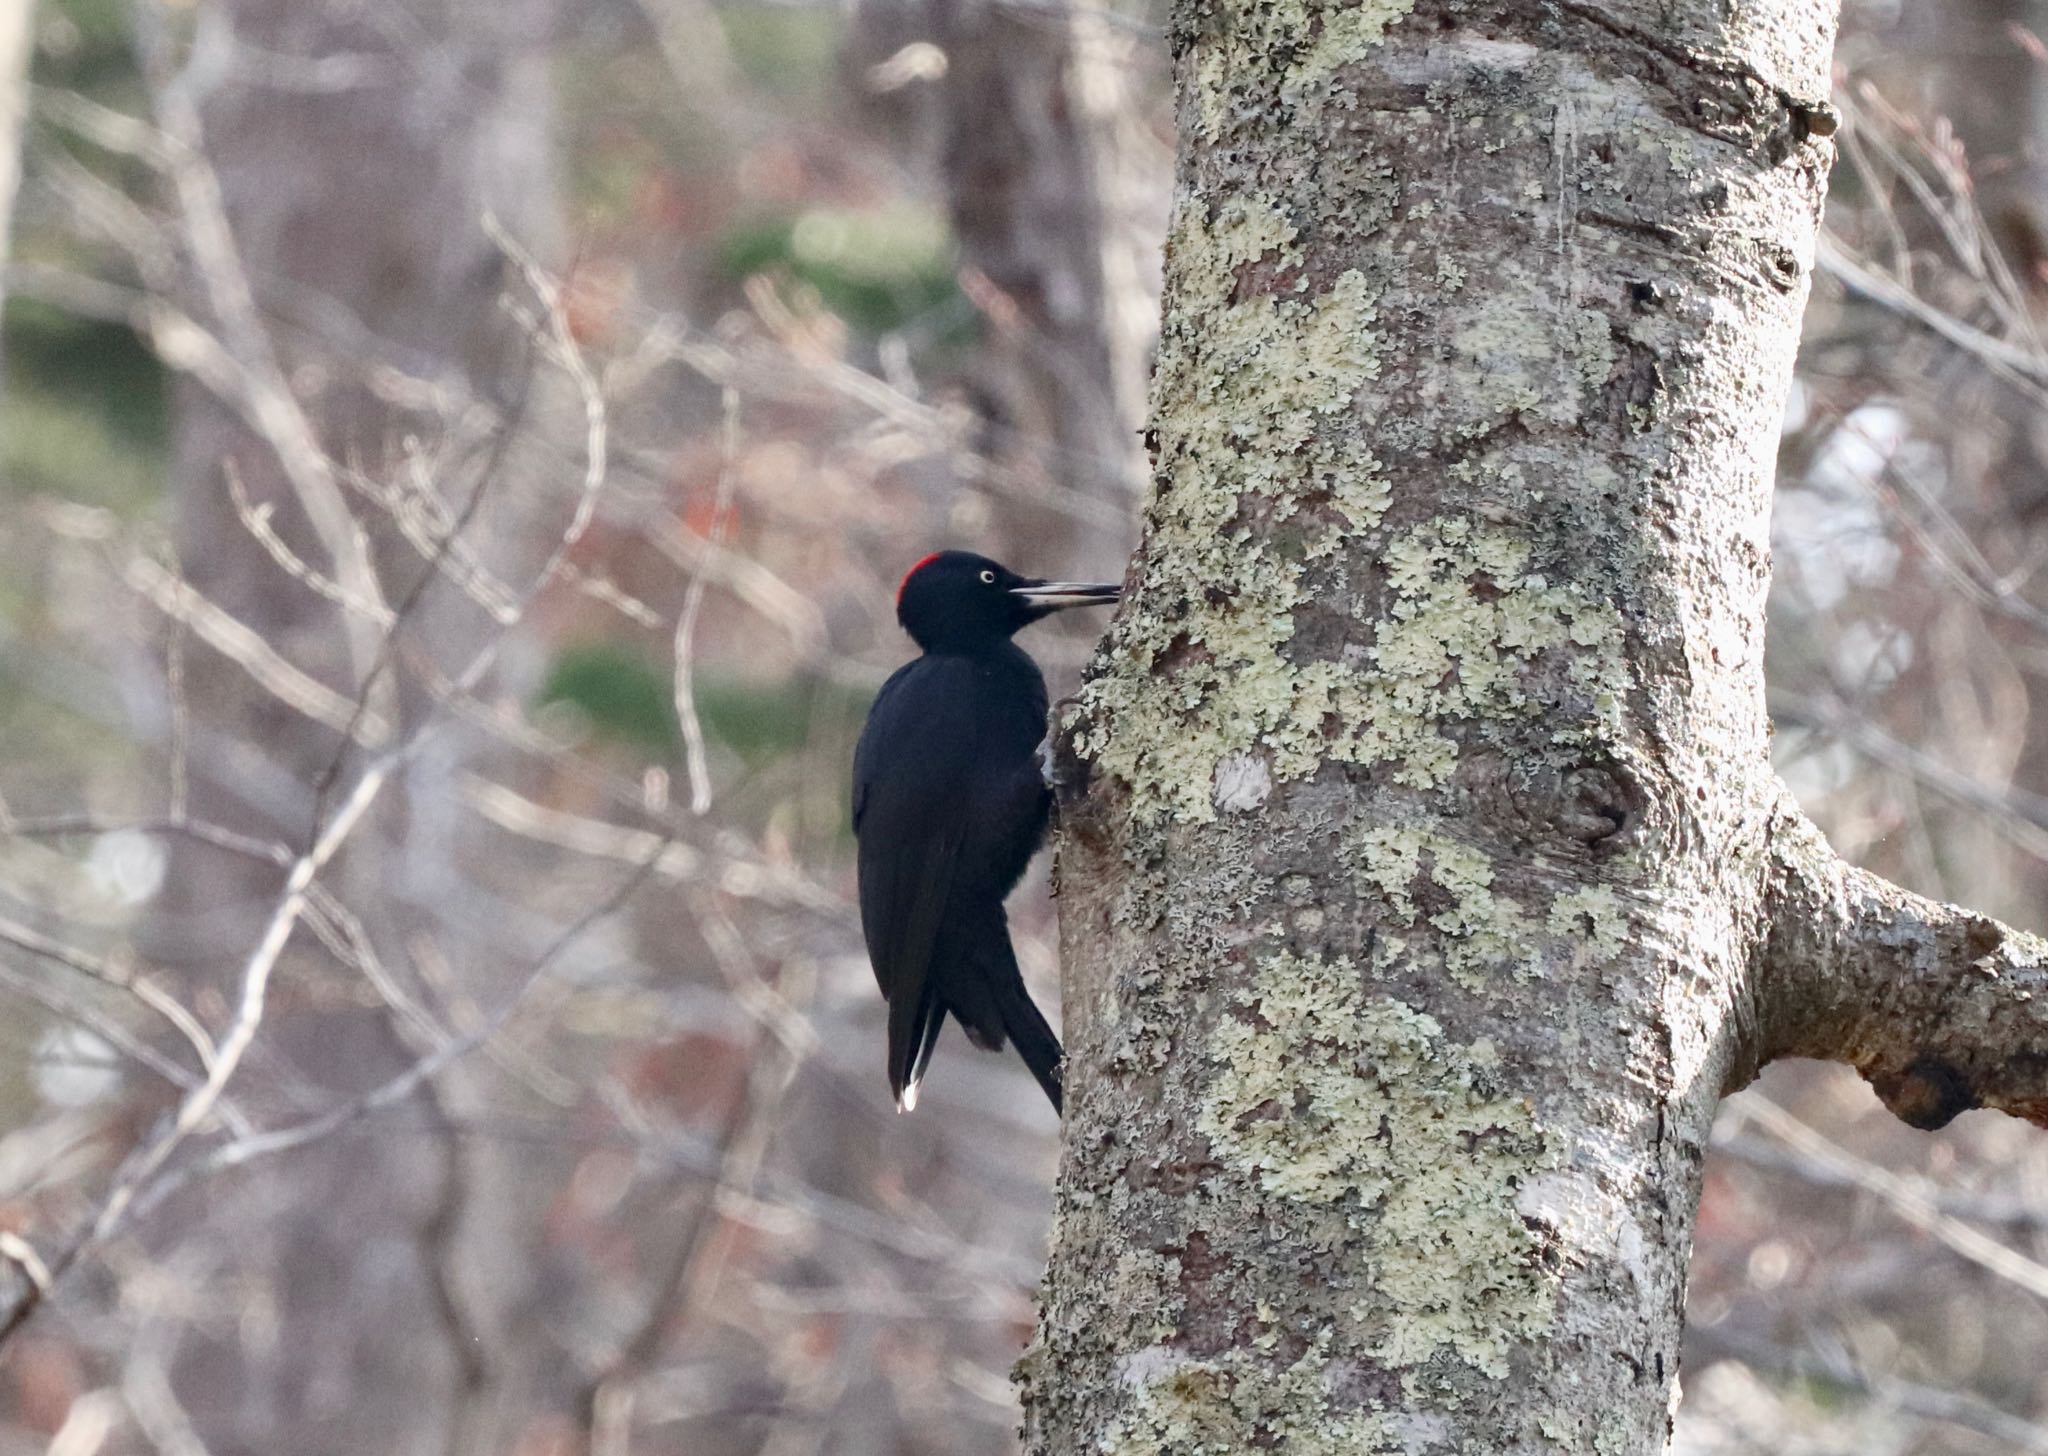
1408, 1133
1234, 1404
1241, 389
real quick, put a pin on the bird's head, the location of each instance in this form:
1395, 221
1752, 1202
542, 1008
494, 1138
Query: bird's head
955, 600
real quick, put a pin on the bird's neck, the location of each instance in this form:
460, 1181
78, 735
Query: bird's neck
1004, 665
999, 654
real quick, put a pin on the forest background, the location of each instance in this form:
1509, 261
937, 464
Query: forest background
455, 463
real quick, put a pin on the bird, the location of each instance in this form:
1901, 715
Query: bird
950, 802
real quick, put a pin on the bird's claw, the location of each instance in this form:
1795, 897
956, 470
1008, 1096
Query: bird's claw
1065, 771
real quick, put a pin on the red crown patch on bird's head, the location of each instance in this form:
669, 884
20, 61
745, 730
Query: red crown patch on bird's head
922, 563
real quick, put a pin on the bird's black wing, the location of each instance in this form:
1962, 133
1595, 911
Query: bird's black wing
911, 779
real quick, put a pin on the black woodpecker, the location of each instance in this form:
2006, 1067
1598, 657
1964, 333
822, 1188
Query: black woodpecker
949, 804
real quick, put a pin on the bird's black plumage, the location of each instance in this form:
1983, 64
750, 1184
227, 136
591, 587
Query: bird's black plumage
949, 805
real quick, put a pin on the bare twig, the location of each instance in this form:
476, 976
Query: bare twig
138, 1172
256, 520
683, 1293
1904, 1198
281, 423
401, 1086
246, 648
694, 765
1923, 1401
23, 937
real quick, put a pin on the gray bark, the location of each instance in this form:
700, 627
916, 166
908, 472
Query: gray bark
15, 47
1425, 881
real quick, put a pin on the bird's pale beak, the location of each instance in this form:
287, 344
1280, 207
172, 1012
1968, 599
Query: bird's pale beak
1051, 596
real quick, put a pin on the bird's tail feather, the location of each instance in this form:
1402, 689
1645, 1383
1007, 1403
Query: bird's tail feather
1029, 1033
986, 996
910, 1051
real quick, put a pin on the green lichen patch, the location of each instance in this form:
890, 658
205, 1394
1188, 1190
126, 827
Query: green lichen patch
1251, 491
1466, 623
1478, 931
1328, 1097
1513, 352
1312, 39
1148, 1280
1468, 619
1236, 1404
1591, 917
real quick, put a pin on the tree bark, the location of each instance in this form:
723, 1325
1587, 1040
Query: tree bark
1425, 882
16, 44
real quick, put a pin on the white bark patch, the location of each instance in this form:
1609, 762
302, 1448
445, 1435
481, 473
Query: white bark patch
1512, 357
1148, 1366
1242, 782
1589, 1219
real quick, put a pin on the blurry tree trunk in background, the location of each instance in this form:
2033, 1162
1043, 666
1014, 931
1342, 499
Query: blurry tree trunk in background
1955, 79
1972, 69
1971, 66
1038, 134
16, 44
1425, 880
357, 212
1046, 198
356, 150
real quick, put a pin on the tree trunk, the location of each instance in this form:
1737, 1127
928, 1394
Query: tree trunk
16, 43
1035, 119
1046, 202
351, 234
1425, 882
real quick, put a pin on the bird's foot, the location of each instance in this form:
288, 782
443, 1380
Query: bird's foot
1065, 772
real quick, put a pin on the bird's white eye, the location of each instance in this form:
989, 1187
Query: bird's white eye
988, 578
